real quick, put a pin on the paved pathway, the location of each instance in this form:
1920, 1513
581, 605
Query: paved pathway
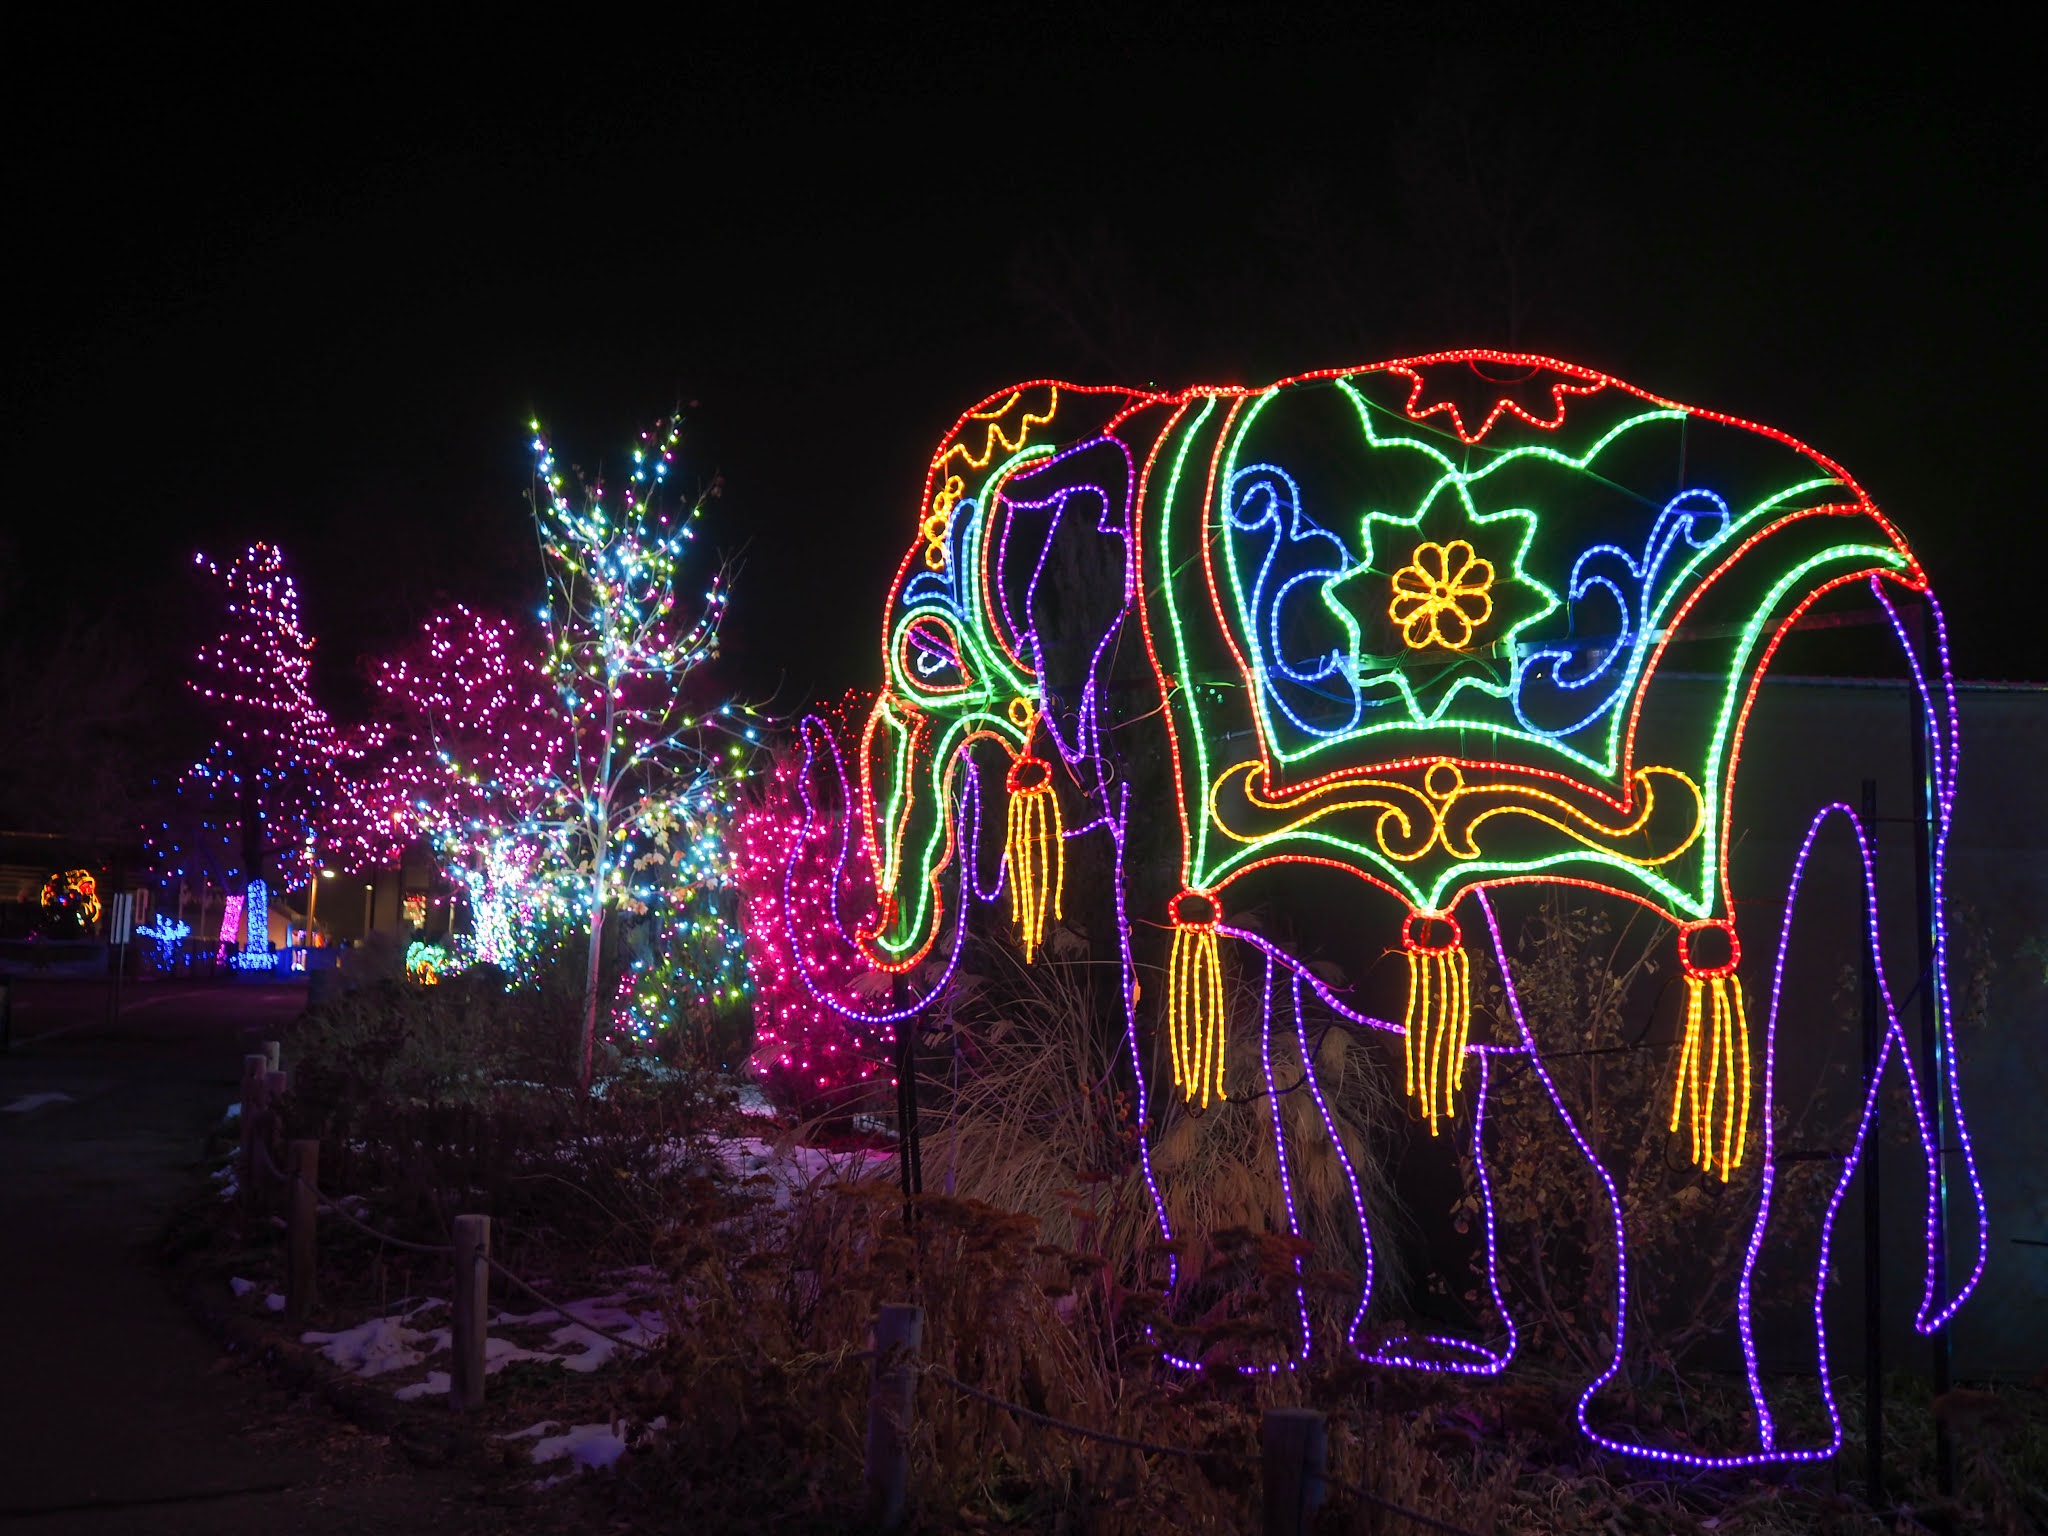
116, 1414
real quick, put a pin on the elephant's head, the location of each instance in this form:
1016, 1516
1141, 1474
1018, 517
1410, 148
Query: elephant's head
992, 638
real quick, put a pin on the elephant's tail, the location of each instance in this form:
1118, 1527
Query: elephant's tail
1712, 1087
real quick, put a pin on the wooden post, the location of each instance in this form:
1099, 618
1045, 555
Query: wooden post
273, 1123
1294, 1443
304, 1209
472, 1310
892, 1389
273, 1054
246, 1172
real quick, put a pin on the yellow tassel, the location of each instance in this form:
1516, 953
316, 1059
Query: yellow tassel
1194, 1011
1438, 1027
1713, 1072
1036, 849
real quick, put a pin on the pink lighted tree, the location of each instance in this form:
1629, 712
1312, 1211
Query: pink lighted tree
805, 885
461, 751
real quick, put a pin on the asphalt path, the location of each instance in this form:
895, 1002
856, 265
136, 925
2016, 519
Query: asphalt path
116, 1413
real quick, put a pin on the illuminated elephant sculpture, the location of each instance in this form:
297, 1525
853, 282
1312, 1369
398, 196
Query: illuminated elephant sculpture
1408, 622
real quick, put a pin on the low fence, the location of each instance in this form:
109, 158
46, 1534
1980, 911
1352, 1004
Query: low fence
1294, 1475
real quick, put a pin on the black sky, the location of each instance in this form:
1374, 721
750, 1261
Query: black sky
310, 290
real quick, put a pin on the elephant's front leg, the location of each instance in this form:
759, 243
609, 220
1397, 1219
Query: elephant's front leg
1444, 1352
1275, 1156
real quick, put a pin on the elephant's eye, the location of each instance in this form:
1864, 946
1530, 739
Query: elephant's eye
931, 656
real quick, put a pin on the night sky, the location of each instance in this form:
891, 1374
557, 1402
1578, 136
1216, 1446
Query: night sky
268, 288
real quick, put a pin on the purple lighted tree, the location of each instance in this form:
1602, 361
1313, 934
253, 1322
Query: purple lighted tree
247, 806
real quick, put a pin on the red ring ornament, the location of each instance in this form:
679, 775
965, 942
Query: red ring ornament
1709, 972
1414, 933
1026, 774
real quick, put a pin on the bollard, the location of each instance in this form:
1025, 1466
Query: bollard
1293, 1443
472, 1310
301, 1223
892, 1389
253, 1071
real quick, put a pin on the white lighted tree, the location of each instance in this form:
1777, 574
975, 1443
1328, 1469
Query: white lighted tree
646, 752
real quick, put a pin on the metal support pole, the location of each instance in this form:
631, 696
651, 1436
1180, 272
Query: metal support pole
1930, 1029
909, 1151
1873, 1204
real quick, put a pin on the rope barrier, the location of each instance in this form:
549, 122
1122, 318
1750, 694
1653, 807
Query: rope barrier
1187, 1453
1391, 1507
562, 1310
270, 1167
1107, 1437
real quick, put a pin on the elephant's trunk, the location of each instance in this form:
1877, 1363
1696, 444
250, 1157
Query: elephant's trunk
907, 820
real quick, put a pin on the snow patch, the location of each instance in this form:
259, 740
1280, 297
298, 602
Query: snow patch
380, 1345
586, 1447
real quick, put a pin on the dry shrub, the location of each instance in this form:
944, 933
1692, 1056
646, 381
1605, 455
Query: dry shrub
1034, 1110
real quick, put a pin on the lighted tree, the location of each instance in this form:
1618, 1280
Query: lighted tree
246, 808
805, 885
463, 746
627, 628
682, 945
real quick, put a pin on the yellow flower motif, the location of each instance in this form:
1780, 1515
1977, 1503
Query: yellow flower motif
1440, 596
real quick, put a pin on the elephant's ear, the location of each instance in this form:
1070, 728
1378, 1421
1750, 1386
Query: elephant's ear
931, 657
1059, 562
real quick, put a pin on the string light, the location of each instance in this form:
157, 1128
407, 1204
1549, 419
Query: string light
804, 890
72, 900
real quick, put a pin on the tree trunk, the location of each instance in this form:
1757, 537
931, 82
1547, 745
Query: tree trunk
590, 985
